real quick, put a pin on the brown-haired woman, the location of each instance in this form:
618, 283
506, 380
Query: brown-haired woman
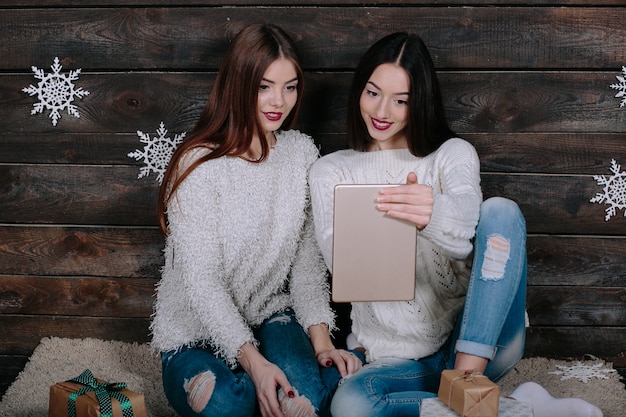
242, 316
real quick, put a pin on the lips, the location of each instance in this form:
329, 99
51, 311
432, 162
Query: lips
379, 124
273, 117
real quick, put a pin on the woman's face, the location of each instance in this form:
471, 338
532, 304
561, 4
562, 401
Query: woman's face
278, 94
384, 107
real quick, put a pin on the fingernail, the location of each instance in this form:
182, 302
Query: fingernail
291, 394
328, 363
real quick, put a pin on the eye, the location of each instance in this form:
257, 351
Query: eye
402, 102
264, 87
291, 87
371, 93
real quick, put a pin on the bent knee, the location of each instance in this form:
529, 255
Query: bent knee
199, 390
350, 403
495, 205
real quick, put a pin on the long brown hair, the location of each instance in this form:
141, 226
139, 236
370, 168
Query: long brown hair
226, 125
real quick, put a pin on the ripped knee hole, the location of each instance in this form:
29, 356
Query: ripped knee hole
298, 406
496, 257
199, 390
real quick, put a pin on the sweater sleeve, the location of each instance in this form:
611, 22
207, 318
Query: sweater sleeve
323, 179
193, 217
457, 199
309, 284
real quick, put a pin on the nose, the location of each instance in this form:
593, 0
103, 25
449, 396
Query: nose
277, 99
382, 109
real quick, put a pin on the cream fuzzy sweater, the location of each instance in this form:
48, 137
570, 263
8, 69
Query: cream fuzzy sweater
241, 247
417, 328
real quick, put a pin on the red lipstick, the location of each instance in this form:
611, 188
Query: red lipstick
273, 117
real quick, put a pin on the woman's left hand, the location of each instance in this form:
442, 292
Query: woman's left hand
412, 202
346, 362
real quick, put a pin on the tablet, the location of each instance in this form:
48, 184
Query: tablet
373, 254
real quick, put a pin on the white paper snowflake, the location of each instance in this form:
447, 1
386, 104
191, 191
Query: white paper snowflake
157, 152
614, 191
583, 372
55, 92
621, 87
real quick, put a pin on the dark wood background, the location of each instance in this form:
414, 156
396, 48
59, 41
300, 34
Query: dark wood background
526, 82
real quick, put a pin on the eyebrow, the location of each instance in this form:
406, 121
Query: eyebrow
274, 82
395, 94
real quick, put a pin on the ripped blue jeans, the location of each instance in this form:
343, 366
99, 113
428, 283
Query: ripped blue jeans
187, 374
492, 325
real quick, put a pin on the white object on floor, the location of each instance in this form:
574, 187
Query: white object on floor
507, 407
545, 405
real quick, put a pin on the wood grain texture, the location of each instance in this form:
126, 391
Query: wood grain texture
107, 195
81, 251
77, 296
569, 306
117, 3
476, 102
582, 153
195, 37
22, 333
11, 366
575, 342
576, 260
526, 82
57, 194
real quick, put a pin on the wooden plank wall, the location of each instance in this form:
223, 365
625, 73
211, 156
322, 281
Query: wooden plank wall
526, 82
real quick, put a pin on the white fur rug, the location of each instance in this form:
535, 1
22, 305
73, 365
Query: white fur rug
60, 359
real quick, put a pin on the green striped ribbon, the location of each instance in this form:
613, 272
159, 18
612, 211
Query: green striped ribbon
104, 392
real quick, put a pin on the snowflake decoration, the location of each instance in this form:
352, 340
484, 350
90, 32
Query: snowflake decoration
55, 92
614, 191
621, 87
157, 152
583, 372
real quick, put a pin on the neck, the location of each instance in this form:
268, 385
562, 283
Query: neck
378, 146
254, 151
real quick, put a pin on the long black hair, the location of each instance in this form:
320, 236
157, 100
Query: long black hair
427, 127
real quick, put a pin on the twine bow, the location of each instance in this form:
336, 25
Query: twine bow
104, 392
469, 375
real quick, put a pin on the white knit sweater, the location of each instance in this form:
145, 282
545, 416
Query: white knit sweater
417, 328
241, 247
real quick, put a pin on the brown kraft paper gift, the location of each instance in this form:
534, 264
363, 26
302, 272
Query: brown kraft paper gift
87, 404
470, 394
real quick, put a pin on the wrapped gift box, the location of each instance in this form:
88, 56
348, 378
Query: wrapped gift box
92, 397
470, 394
508, 407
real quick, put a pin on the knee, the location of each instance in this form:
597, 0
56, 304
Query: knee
341, 407
500, 206
199, 390
350, 403
502, 216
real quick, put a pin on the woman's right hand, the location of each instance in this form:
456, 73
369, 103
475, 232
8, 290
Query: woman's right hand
266, 378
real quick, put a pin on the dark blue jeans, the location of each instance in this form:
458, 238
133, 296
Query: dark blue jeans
281, 340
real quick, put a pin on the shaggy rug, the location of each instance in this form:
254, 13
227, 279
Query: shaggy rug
60, 359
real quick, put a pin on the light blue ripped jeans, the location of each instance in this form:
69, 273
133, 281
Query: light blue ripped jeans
281, 340
492, 325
